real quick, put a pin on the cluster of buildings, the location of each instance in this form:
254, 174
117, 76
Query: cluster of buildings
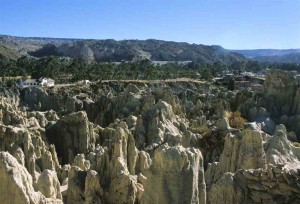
249, 80
245, 80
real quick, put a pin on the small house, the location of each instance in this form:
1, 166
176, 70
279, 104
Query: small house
249, 74
47, 82
84, 82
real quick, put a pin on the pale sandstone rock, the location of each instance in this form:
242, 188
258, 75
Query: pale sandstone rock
81, 162
223, 124
71, 135
148, 159
241, 151
116, 193
93, 191
176, 176
157, 125
282, 97
49, 185
278, 149
224, 191
76, 185
18, 186
131, 121
63, 174
264, 173
251, 152
47, 161
19, 155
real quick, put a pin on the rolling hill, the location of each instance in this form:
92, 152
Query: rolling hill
288, 58
272, 55
124, 50
8, 53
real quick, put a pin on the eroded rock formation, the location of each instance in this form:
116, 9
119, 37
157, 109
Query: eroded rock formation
156, 142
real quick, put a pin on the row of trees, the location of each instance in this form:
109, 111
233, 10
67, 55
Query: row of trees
63, 69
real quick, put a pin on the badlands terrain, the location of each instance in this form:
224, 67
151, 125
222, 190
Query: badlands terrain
151, 142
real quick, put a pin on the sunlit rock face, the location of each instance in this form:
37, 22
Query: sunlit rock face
145, 142
255, 170
278, 103
281, 91
72, 134
282, 99
17, 186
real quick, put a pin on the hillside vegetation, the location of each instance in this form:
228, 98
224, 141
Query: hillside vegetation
124, 50
8, 53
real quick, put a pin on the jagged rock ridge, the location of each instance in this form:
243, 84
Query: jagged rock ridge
136, 142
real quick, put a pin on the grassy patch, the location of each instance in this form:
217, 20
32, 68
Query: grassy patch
199, 130
296, 144
235, 119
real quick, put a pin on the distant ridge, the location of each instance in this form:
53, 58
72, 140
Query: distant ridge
39, 38
122, 50
272, 55
266, 52
288, 58
127, 50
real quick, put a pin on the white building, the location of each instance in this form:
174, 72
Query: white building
249, 74
84, 82
45, 82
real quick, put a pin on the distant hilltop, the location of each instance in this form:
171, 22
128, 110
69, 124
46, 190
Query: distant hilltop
126, 50
123, 50
272, 55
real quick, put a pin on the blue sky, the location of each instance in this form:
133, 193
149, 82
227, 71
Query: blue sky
233, 24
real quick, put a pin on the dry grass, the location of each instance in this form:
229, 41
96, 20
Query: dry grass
296, 144
200, 130
235, 119
13, 78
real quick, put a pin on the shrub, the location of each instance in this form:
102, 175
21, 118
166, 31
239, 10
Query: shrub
200, 130
236, 120
296, 144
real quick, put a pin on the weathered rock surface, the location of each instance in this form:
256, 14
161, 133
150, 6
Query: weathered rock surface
282, 97
17, 184
281, 91
71, 135
154, 142
253, 171
175, 176
49, 185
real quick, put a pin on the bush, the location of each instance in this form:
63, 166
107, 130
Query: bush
199, 130
296, 144
236, 120
10, 83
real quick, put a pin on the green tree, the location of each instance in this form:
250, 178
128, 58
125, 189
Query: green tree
231, 84
206, 75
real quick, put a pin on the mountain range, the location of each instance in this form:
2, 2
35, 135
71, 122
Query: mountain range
127, 50
272, 55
